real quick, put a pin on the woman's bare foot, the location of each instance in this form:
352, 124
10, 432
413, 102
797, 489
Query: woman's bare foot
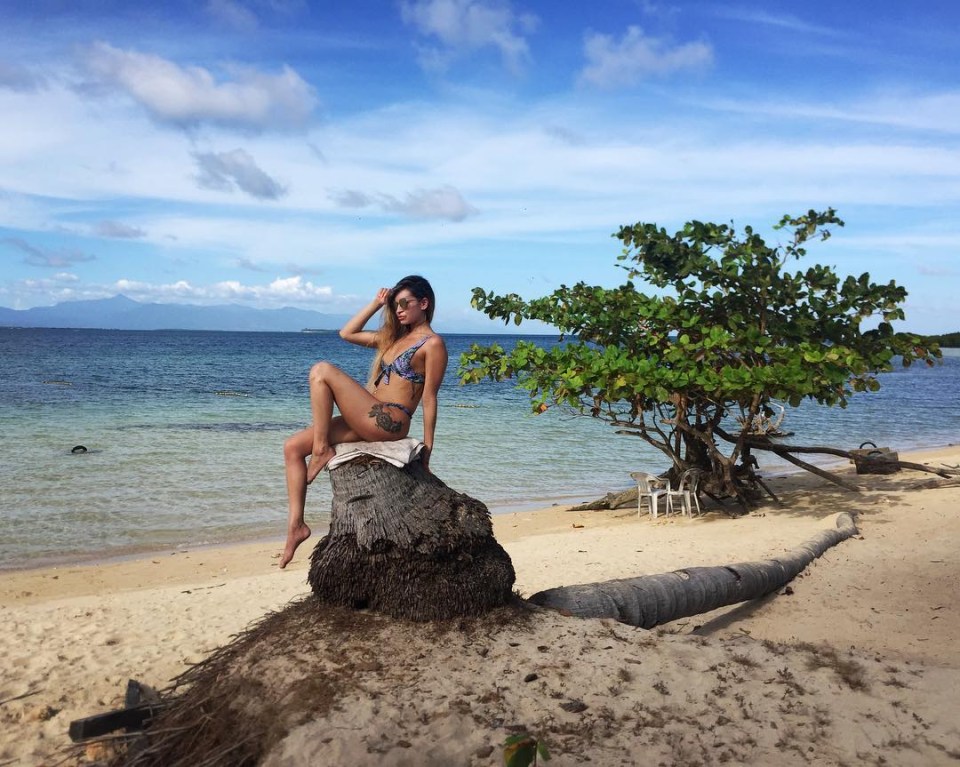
294, 538
317, 462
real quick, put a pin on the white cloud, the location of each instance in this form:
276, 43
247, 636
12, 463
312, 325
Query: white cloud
190, 96
444, 202
766, 18
249, 264
612, 63
282, 291
928, 112
62, 286
465, 26
18, 78
351, 198
38, 256
225, 170
117, 230
232, 14
937, 271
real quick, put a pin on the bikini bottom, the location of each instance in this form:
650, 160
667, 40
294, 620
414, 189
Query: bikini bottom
397, 405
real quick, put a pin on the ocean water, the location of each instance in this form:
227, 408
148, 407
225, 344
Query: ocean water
184, 434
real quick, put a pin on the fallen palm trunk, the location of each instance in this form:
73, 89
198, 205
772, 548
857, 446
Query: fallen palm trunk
652, 600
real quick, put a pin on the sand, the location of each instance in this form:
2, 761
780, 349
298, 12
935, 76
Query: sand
858, 662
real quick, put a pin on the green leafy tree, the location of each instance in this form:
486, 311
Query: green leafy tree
728, 332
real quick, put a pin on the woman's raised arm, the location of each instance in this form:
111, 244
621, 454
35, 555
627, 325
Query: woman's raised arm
353, 330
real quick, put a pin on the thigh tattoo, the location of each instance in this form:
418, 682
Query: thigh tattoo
384, 421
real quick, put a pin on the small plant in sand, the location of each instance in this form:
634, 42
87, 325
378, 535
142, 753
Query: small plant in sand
524, 750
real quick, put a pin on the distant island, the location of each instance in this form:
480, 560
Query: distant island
122, 313
945, 340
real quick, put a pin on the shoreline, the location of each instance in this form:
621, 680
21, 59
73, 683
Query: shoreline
248, 557
70, 637
265, 537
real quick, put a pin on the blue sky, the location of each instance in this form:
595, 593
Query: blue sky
291, 153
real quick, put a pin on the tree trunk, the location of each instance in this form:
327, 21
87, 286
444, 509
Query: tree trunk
625, 499
651, 600
403, 543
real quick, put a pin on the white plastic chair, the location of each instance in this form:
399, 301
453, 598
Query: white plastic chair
687, 492
652, 489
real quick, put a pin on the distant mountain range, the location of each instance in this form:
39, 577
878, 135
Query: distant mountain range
122, 313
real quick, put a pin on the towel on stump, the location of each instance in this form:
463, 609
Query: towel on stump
399, 452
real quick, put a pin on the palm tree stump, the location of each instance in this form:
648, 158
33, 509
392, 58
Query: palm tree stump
403, 543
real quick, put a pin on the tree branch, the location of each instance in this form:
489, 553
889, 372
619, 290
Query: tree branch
784, 452
822, 473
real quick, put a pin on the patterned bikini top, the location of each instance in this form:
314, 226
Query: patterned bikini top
402, 365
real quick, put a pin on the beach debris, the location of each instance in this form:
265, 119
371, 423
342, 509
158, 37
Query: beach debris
78, 449
20, 697
99, 751
203, 588
764, 424
574, 706
42, 713
141, 704
875, 460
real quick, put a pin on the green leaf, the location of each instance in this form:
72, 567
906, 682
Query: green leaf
519, 750
542, 751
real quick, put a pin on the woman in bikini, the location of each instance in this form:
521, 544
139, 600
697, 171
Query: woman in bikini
378, 413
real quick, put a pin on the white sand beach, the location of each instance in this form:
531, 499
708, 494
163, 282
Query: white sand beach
858, 662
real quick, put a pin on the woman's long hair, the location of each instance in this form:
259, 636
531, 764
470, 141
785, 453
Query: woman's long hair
391, 330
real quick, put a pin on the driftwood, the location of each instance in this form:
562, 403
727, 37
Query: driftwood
758, 443
932, 484
403, 543
141, 704
622, 500
652, 600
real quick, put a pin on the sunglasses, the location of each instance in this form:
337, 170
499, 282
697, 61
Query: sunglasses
403, 303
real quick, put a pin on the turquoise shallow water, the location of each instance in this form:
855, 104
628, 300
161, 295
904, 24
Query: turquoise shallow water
184, 433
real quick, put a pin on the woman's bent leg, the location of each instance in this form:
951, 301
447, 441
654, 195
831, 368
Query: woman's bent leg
363, 418
295, 452
321, 409
359, 410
